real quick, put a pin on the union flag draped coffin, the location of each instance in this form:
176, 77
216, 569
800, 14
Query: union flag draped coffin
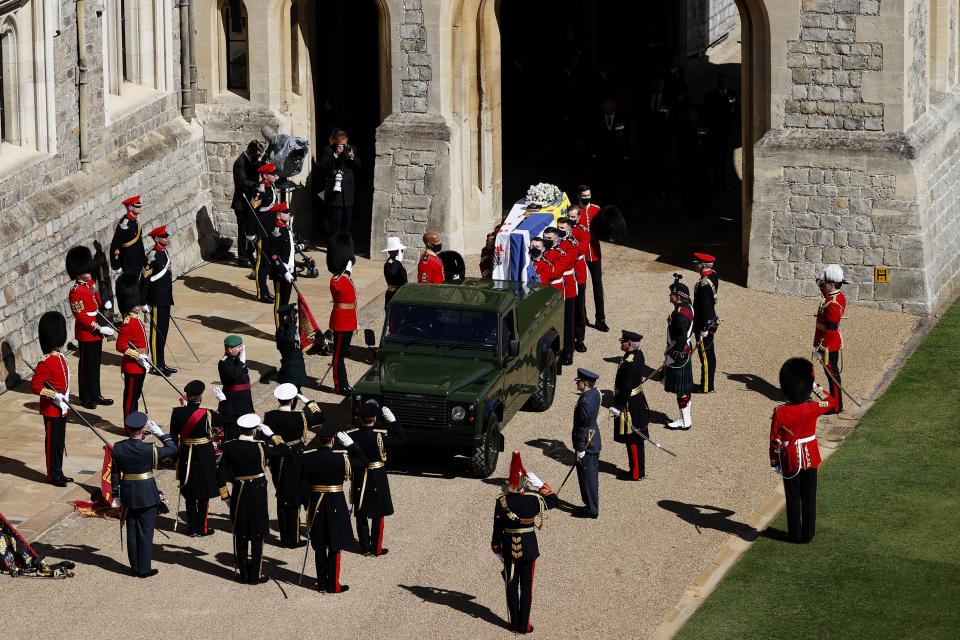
511, 260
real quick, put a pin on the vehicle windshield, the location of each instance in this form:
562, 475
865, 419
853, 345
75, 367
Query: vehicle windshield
468, 327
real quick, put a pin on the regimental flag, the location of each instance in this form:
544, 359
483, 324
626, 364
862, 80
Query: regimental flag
309, 329
101, 508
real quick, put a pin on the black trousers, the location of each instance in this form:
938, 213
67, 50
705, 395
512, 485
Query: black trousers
801, 494
261, 269
89, 369
249, 553
370, 543
519, 593
580, 313
708, 362
636, 459
288, 524
140, 526
588, 475
341, 347
596, 281
568, 329
159, 330
245, 248
834, 368
54, 443
341, 219
197, 514
281, 290
327, 560
132, 388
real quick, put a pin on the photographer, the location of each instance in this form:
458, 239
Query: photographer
337, 163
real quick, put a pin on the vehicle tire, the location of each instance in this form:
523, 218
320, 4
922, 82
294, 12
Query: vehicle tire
483, 458
542, 398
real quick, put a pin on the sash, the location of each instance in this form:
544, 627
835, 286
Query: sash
191, 423
127, 245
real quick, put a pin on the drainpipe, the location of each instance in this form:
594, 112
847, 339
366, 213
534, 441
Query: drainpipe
82, 98
186, 103
193, 56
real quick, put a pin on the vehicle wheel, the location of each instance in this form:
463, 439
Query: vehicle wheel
483, 459
542, 398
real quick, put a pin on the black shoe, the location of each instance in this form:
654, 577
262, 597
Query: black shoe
268, 298
194, 534
167, 371
89, 405
148, 574
66, 478
104, 401
374, 554
580, 347
243, 262
582, 512
343, 588
58, 482
567, 361
208, 532
345, 391
601, 326
297, 545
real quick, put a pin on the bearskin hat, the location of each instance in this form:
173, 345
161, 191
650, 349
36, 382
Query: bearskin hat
796, 379
79, 260
680, 289
339, 252
454, 268
128, 292
52, 331
609, 225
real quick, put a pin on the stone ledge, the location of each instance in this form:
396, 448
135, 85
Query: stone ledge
818, 141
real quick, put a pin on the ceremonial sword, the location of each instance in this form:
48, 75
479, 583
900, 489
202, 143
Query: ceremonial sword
652, 441
826, 369
70, 406
574, 466
157, 369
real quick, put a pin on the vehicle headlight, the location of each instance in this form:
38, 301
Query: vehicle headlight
458, 413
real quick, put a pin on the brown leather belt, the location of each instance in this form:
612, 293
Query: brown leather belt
137, 476
245, 478
196, 441
375, 465
327, 488
344, 305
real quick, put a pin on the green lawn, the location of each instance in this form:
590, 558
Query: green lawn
885, 562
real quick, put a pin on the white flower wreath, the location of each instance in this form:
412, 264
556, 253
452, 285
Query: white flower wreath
542, 194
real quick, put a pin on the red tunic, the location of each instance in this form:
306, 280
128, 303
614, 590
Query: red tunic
828, 321
343, 317
545, 272
793, 434
580, 266
84, 303
571, 247
430, 268
132, 330
52, 368
562, 262
586, 219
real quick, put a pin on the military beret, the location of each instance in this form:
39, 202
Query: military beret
285, 391
369, 409
136, 420
270, 167
586, 375
194, 388
248, 421
703, 257
135, 201
232, 341
630, 336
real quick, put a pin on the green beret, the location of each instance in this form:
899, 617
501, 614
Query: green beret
232, 341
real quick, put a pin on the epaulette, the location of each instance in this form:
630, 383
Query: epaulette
389, 260
352, 430
123, 223
223, 358
628, 357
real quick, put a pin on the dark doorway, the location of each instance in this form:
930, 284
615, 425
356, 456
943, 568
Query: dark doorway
346, 80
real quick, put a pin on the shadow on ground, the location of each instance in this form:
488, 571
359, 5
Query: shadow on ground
705, 516
462, 602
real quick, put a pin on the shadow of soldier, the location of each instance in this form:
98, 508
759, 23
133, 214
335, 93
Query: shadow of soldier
709, 517
462, 602
556, 450
757, 384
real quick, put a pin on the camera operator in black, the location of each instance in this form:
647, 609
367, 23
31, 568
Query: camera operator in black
337, 164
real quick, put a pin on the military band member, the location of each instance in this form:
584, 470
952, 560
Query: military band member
393, 271
565, 280
127, 254
135, 490
292, 367
260, 222
282, 251
291, 427
630, 409
588, 211
156, 297
136, 358
705, 320
343, 316
430, 267
827, 340
242, 464
53, 369
328, 519
85, 303
235, 378
193, 429
678, 369
587, 443
793, 445
514, 540
372, 501
581, 236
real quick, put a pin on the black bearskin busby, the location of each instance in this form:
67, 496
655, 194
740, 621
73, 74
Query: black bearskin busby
79, 260
796, 379
608, 225
52, 330
454, 268
680, 289
128, 292
339, 252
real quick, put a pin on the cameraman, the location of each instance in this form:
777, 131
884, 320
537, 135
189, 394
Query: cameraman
338, 162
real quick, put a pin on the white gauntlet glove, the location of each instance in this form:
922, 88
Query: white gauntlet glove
580, 454
304, 399
265, 430
108, 305
243, 354
344, 439
218, 393
144, 361
534, 481
251, 238
776, 469
288, 277
614, 411
349, 267
106, 331
154, 428
388, 415
145, 308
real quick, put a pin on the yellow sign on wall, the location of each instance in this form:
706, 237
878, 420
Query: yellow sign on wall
880, 274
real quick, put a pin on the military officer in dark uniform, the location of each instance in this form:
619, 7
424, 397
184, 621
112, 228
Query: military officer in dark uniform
372, 501
678, 369
156, 296
514, 540
705, 321
245, 179
194, 428
281, 250
135, 490
393, 271
291, 427
287, 337
236, 384
586, 443
127, 254
630, 408
260, 222
242, 463
328, 520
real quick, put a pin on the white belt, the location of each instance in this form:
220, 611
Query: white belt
568, 273
91, 313
582, 257
800, 449
557, 281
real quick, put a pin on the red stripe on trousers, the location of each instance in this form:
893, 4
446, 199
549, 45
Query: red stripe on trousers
46, 445
634, 464
337, 342
206, 512
532, 570
128, 399
336, 579
380, 538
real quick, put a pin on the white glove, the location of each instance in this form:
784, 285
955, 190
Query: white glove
243, 354
145, 308
304, 399
668, 361
816, 356
614, 411
59, 398
534, 481
115, 502
265, 430
349, 268
580, 454
108, 305
288, 277
344, 439
251, 238
154, 428
106, 331
776, 469
388, 415
500, 557
218, 393
704, 333
144, 361
120, 271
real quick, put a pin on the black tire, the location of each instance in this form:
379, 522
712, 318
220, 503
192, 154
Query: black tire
542, 398
483, 458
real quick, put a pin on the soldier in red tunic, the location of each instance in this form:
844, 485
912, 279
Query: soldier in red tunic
134, 365
793, 445
343, 317
581, 237
544, 269
827, 341
563, 255
53, 369
85, 303
430, 268
589, 211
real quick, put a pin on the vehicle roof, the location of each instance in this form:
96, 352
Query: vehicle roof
472, 292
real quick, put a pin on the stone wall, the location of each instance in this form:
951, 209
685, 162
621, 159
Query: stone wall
708, 21
414, 58
918, 21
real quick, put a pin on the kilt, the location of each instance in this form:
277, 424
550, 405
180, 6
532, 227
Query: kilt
679, 380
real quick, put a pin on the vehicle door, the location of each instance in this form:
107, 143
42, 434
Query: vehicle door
515, 388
